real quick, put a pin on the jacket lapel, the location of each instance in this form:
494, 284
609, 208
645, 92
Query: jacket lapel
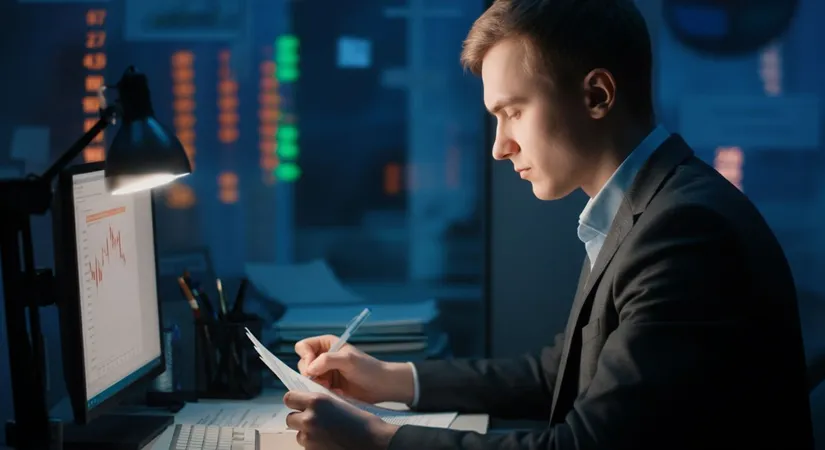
656, 170
577, 302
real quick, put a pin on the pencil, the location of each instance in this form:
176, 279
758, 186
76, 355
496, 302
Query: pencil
189, 297
221, 298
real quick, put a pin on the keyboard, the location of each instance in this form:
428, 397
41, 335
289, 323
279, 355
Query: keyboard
212, 437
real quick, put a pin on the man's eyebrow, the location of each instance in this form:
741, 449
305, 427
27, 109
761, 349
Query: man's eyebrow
505, 102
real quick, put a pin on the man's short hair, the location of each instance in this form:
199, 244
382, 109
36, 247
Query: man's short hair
566, 39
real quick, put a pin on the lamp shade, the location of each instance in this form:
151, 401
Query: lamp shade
144, 154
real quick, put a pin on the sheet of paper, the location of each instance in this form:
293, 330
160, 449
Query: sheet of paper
232, 414
383, 317
294, 381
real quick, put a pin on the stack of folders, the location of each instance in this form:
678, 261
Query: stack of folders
318, 303
393, 332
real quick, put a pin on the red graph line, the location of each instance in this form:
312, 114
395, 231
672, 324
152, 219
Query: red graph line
113, 242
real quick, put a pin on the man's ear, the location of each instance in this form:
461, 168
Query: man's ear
599, 92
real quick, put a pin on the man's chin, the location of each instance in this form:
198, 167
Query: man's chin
548, 193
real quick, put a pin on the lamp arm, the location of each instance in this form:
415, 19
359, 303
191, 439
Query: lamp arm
106, 117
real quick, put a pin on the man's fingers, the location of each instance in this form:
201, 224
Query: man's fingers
304, 349
298, 400
330, 361
302, 401
302, 366
293, 421
325, 381
312, 347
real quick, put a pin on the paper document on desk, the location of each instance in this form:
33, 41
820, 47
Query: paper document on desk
294, 381
233, 414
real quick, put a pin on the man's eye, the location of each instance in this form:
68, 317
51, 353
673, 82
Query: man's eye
514, 115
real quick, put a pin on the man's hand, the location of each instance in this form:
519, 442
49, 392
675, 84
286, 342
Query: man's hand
324, 422
353, 373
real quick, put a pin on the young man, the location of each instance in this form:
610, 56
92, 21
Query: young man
684, 332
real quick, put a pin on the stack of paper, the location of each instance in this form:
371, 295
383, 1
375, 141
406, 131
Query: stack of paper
294, 381
318, 303
393, 332
395, 319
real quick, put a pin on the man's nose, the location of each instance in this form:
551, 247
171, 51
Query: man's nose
504, 148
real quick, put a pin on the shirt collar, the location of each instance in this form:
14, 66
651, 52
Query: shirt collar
598, 214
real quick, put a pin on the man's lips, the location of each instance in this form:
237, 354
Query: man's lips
523, 171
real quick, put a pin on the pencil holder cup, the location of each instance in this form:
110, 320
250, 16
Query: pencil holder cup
226, 364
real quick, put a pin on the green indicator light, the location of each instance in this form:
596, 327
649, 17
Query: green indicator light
287, 71
287, 42
289, 59
286, 58
287, 172
287, 74
288, 150
286, 133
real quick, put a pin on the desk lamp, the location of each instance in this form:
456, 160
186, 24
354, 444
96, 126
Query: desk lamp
143, 155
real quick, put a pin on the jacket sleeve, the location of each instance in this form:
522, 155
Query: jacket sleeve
677, 325
520, 387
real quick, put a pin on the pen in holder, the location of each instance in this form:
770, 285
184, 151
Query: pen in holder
226, 364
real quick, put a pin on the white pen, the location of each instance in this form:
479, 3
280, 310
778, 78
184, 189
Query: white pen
349, 331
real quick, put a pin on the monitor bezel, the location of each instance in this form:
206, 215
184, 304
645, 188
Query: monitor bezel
68, 302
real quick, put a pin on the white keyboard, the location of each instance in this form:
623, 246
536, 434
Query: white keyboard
212, 437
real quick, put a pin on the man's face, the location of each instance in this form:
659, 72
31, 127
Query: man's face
539, 129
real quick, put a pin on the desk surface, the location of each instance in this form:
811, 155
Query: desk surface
286, 440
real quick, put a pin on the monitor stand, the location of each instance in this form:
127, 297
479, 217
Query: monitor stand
115, 432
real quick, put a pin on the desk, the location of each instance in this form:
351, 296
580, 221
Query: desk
286, 441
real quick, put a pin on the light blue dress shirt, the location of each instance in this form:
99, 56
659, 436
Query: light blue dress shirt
597, 216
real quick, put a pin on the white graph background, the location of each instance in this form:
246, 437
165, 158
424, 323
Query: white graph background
111, 305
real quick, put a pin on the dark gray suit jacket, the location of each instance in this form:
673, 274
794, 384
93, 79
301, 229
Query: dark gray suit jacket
684, 335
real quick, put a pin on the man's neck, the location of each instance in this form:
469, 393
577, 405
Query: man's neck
614, 151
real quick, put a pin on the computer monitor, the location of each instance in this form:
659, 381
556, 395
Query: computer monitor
106, 272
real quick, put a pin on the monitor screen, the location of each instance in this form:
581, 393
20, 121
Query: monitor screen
119, 316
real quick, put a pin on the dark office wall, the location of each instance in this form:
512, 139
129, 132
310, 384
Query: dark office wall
535, 259
35, 103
